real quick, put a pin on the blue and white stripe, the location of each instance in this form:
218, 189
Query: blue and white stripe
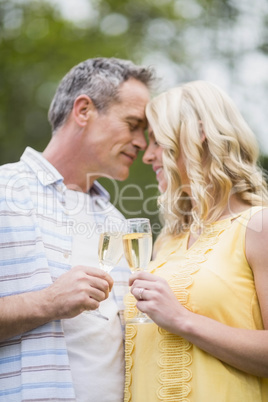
34, 249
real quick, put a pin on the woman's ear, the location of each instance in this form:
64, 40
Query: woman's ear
201, 131
82, 109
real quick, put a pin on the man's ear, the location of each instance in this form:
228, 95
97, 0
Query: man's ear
83, 109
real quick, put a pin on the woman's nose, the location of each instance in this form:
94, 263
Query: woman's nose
148, 156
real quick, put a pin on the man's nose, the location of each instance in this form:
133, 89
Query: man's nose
139, 140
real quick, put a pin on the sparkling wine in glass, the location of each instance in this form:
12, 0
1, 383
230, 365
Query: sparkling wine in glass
110, 249
137, 245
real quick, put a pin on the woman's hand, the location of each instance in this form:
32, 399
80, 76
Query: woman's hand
156, 299
244, 349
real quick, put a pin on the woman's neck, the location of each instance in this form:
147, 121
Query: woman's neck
235, 205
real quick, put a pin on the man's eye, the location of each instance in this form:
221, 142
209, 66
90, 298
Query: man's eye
133, 127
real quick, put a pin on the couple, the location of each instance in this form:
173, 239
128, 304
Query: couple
207, 287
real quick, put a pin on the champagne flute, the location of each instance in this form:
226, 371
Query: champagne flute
137, 245
110, 249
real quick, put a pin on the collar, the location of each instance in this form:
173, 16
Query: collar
98, 190
47, 174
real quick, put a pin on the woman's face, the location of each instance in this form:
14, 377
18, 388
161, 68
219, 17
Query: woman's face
153, 156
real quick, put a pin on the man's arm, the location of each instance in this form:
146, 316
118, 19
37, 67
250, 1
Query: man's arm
82, 288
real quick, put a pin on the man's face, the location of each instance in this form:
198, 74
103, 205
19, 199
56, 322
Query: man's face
115, 136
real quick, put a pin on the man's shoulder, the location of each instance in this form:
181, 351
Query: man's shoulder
10, 166
14, 174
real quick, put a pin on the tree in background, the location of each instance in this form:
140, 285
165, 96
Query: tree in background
225, 41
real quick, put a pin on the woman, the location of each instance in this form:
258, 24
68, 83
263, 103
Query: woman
207, 291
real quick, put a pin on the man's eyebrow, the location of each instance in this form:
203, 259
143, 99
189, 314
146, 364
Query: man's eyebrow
138, 120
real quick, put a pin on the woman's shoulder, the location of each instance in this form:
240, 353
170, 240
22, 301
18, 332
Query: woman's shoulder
257, 235
257, 219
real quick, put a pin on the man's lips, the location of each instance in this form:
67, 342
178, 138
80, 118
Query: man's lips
131, 156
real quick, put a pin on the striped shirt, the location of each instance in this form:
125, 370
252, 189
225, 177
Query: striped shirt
35, 249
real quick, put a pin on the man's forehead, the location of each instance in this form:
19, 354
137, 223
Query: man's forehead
134, 93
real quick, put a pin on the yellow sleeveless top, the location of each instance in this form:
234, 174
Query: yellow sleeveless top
211, 278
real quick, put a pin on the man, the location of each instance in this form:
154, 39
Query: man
49, 348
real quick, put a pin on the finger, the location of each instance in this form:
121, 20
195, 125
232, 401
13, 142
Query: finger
91, 304
143, 276
96, 294
93, 272
99, 273
149, 285
92, 298
99, 284
139, 293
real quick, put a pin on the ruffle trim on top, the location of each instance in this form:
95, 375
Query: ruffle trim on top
174, 362
175, 357
131, 332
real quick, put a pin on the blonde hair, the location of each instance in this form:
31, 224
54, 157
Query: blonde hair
223, 163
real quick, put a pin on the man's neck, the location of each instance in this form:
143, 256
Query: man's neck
66, 160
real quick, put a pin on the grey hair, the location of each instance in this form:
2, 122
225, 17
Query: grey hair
98, 78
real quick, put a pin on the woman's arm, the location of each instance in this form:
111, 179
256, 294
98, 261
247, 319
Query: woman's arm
243, 349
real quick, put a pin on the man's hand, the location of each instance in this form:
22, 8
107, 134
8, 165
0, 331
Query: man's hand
81, 288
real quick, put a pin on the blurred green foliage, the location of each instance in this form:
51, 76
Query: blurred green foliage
38, 46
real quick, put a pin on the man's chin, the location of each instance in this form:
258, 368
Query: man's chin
118, 176
122, 177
